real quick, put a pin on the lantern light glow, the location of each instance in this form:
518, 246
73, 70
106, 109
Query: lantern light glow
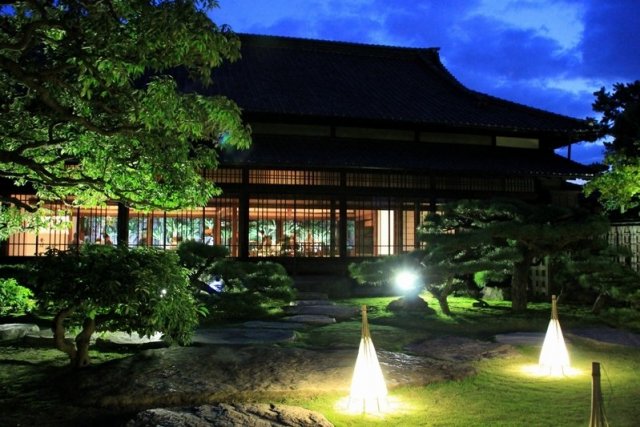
554, 357
406, 280
368, 388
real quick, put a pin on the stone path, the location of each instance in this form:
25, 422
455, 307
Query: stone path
601, 333
310, 310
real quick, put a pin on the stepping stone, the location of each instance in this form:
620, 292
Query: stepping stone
312, 302
14, 331
259, 324
531, 338
311, 296
310, 319
607, 335
242, 336
125, 338
340, 312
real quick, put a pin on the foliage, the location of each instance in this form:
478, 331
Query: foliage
91, 107
198, 257
598, 269
15, 299
619, 187
110, 288
250, 289
478, 235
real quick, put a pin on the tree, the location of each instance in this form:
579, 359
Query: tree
249, 288
597, 268
456, 249
90, 107
512, 231
619, 186
108, 288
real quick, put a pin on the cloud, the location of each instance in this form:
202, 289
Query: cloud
611, 44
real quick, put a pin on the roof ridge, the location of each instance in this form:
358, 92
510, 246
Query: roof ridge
332, 45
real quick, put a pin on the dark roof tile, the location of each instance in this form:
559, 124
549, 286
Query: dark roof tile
312, 78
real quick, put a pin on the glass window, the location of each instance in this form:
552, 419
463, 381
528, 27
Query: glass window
291, 227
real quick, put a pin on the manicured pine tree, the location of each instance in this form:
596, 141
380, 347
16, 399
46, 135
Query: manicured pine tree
492, 234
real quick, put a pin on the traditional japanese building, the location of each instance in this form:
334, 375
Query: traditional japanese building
352, 145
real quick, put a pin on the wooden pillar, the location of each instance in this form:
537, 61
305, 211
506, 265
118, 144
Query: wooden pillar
122, 225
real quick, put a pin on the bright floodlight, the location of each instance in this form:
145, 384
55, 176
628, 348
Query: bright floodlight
554, 357
406, 280
368, 388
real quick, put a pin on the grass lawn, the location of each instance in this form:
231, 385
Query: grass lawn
502, 393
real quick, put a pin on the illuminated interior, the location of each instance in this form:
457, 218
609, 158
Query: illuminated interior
276, 226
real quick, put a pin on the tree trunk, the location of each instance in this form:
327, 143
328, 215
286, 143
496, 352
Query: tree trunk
520, 284
61, 343
83, 339
444, 304
598, 303
441, 295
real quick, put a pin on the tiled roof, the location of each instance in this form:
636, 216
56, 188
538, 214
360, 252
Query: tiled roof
327, 153
336, 80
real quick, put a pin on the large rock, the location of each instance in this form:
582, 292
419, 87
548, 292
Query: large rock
460, 349
133, 339
179, 376
14, 331
231, 415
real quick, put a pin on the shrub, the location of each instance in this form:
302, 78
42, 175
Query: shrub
111, 288
250, 289
15, 299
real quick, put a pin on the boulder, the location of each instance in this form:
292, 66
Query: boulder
413, 305
14, 331
230, 415
133, 339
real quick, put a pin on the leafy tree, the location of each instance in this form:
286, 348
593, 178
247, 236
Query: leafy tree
100, 288
508, 232
90, 108
15, 298
619, 187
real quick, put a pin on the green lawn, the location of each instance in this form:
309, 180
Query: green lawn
504, 392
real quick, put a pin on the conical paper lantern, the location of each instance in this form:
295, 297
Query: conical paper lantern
368, 388
554, 357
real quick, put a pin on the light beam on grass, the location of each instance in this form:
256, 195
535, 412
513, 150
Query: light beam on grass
368, 388
554, 357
